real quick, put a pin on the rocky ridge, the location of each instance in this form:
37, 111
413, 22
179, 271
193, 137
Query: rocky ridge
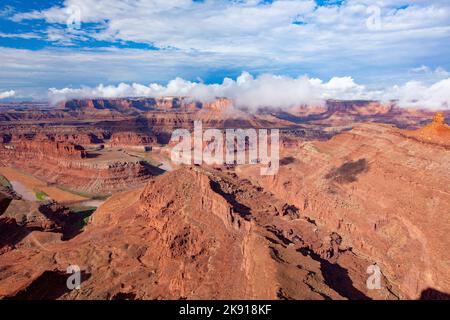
208, 236
387, 194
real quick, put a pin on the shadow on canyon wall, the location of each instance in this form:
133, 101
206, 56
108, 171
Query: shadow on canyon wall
336, 277
348, 172
433, 294
50, 285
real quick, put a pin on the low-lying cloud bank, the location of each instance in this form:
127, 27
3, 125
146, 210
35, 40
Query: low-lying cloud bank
7, 94
274, 91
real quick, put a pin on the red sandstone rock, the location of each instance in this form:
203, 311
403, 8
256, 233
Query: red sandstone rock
131, 140
172, 241
372, 194
387, 195
67, 164
42, 148
437, 132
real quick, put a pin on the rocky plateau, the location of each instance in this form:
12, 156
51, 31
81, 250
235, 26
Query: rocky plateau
90, 183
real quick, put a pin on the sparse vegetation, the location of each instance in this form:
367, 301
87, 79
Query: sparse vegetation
5, 182
81, 209
40, 195
84, 194
84, 213
86, 221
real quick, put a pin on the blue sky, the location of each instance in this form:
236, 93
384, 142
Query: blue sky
77, 43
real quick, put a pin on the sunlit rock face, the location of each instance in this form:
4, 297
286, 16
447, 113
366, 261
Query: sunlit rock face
385, 190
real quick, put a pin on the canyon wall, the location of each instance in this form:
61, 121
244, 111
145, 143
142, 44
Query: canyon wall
386, 193
70, 165
209, 236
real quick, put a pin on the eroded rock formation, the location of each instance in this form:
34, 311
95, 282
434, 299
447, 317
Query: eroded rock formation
348, 195
207, 237
132, 140
41, 149
68, 164
436, 132
387, 194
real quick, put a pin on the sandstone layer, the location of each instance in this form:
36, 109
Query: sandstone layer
70, 165
388, 195
353, 191
210, 236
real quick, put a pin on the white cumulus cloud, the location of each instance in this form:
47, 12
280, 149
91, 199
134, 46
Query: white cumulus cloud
273, 91
246, 91
7, 94
201, 38
416, 94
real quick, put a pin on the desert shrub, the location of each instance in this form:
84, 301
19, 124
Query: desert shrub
40, 195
